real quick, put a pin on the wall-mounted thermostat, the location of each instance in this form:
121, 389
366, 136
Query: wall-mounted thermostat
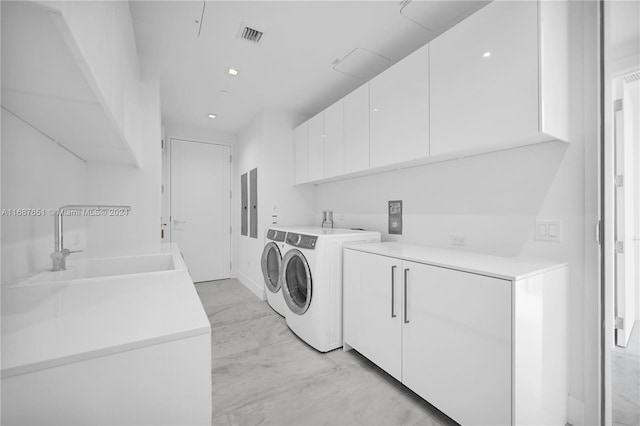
395, 217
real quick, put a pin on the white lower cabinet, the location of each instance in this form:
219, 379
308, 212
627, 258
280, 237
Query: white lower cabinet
373, 320
450, 336
456, 336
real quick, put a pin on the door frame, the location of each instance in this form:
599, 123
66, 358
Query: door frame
165, 222
615, 70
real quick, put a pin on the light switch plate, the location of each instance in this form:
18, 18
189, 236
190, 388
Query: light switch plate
395, 217
548, 230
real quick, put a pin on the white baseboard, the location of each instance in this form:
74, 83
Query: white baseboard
575, 411
254, 287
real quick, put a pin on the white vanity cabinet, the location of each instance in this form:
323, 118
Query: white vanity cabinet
500, 78
399, 111
301, 153
482, 338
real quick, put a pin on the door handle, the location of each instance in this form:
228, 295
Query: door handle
393, 291
406, 282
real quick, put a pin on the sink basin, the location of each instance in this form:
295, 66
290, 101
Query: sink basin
99, 268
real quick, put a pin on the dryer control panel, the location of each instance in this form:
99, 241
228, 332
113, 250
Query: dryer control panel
301, 240
275, 235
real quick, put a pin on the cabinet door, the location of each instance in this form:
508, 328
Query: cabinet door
484, 79
457, 343
334, 140
372, 308
301, 153
316, 147
400, 111
356, 130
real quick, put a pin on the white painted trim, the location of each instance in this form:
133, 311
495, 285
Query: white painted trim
255, 288
615, 70
188, 139
575, 411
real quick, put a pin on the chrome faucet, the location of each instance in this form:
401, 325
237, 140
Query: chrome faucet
59, 256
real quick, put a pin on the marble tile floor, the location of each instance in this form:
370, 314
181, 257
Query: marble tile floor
264, 374
625, 381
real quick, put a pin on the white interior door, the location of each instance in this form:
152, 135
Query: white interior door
626, 145
201, 207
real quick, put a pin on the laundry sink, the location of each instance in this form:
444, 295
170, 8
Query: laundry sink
86, 270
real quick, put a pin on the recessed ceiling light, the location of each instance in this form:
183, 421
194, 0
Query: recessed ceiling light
486, 54
212, 115
232, 72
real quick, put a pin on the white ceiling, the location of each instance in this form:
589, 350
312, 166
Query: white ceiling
291, 67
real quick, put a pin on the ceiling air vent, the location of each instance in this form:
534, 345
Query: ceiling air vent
250, 34
630, 78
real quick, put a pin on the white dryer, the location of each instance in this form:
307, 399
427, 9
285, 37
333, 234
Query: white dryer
311, 282
270, 263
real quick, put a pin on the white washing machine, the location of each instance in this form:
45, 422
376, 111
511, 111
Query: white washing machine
311, 282
270, 263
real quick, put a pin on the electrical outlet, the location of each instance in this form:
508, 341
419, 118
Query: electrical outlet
458, 240
395, 217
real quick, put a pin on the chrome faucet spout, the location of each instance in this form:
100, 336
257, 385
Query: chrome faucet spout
60, 253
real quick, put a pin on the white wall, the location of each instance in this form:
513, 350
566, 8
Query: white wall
267, 143
139, 188
36, 173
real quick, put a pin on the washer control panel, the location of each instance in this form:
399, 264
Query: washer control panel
275, 235
301, 240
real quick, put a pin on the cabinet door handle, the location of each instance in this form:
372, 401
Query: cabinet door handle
393, 291
406, 282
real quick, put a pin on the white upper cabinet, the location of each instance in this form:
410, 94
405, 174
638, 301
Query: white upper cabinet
60, 73
356, 130
301, 153
498, 78
334, 140
399, 108
316, 147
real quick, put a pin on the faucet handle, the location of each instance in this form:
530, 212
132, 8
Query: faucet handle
67, 252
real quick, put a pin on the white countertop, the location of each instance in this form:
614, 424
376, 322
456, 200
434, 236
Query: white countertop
56, 324
507, 268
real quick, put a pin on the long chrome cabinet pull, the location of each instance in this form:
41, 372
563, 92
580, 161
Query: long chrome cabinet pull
406, 281
393, 291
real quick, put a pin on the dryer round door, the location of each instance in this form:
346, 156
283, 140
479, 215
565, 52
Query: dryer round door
271, 259
296, 281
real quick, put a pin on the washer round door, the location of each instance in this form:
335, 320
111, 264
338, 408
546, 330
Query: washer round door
271, 259
296, 281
